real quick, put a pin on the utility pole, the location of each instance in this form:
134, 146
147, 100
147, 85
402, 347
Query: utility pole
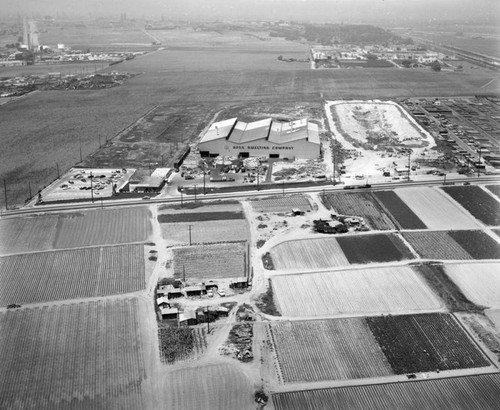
57, 166
182, 202
194, 193
208, 320
5, 190
183, 273
204, 172
283, 186
91, 187
258, 169
189, 227
479, 162
334, 165
29, 188
81, 159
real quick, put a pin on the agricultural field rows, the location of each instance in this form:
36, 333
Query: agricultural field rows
425, 343
317, 350
477, 201
480, 282
436, 245
69, 274
85, 355
281, 204
308, 254
435, 209
402, 214
199, 216
359, 204
359, 291
205, 232
478, 392
181, 343
374, 248
212, 387
74, 229
495, 189
225, 260
477, 243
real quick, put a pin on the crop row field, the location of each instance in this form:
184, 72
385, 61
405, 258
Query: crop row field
453, 245
477, 201
478, 392
225, 260
281, 204
181, 233
328, 252
85, 355
480, 282
359, 204
425, 343
181, 343
352, 348
69, 274
495, 189
397, 208
199, 216
209, 387
358, 291
316, 350
74, 229
436, 210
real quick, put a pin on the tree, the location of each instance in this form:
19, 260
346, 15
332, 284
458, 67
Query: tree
435, 66
406, 63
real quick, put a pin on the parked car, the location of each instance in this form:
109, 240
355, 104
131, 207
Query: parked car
221, 293
210, 294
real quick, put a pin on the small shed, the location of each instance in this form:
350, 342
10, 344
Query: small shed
188, 318
239, 283
169, 313
196, 290
222, 311
162, 302
211, 285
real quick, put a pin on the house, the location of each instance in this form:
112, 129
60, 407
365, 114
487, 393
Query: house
188, 318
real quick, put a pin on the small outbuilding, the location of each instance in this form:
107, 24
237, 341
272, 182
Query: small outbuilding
196, 290
188, 318
162, 302
239, 283
169, 313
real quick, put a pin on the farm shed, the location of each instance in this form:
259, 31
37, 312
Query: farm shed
196, 290
239, 283
211, 285
267, 137
169, 291
188, 318
169, 313
162, 302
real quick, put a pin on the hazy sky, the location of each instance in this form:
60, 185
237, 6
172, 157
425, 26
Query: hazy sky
333, 10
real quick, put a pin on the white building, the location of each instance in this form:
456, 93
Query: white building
269, 138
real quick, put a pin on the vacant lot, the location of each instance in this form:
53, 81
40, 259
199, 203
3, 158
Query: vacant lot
281, 204
308, 254
360, 204
375, 248
225, 260
436, 245
403, 215
436, 210
480, 282
79, 273
210, 387
337, 349
205, 232
425, 343
477, 201
86, 355
468, 393
360, 291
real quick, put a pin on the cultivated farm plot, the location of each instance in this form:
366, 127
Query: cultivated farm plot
402, 214
478, 244
360, 204
316, 350
212, 387
308, 254
281, 204
373, 248
436, 210
478, 392
360, 291
205, 232
85, 355
225, 260
436, 245
480, 282
495, 189
425, 343
477, 201
69, 274
74, 229
181, 343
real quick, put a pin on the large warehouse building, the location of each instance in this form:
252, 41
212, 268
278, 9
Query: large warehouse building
273, 139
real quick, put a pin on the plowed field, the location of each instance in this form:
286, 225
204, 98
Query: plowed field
338, 349
360, 204
480, 282
403, 215
460, 393
435, 209
69, 274
360, 291
478, 244
86, 355
425, 343
436, 245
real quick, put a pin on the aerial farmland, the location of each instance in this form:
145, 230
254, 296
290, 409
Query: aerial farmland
364, 278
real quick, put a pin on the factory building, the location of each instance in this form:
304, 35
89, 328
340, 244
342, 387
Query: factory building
269, 138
